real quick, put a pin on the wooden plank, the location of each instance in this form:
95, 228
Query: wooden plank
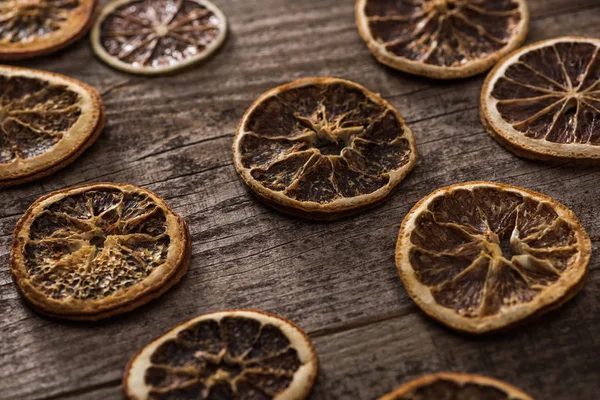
369, 360
212, 106
173, 134
554, 358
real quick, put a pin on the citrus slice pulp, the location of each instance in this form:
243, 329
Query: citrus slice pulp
323, 148
30, 28
234, 354
451, 386
483, 256
543, 100
46, 121
98, 250
443, 39
158, 36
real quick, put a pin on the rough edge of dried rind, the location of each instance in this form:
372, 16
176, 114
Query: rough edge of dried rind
432, 71
126, 301
299, 390
338, 208
461, 378
25, 51
516, 142
114, 62
55, 164
562, 292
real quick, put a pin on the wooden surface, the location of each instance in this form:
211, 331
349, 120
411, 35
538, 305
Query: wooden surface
336, 280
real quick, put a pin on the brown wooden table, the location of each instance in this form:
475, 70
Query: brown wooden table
336, 280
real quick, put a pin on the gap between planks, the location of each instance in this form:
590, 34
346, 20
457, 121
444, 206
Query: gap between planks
76, 393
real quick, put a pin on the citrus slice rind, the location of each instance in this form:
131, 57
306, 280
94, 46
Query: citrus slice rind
456, 386
158, 36
46, 121
543, 100
442, 39
30, 28
243, 353
94, 251
322, 148
483, 256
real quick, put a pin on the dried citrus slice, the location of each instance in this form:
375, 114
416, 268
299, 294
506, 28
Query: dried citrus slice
322, 148
158, 36
543, 101
451, 386
236, 354
442, 39
482, 256
46, 121
30, 28
94, 251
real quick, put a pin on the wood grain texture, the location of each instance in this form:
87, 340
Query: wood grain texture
337, 280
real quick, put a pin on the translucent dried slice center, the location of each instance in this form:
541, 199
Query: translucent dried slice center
94, 244
486, 249
34, 116
443, 32
23, 21
447, 389
552, 93
323, 142
235, 357
158, 33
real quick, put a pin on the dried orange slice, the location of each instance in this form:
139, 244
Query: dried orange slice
451, 386
30, 28
543, 101
482, 256
442, 39
158, 36
322, 148
94, 251
46, 121
236, 354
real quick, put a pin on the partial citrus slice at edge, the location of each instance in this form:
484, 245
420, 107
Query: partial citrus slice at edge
46, 121
447, 385
222, 355
543, 100
35, 28
482, 256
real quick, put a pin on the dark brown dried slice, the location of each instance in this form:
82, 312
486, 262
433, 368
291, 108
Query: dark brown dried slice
451, 386
323, 148
46, 121
98, 250
158, 36
234, 354
30, 28
483, 256
543, 101
442, 39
